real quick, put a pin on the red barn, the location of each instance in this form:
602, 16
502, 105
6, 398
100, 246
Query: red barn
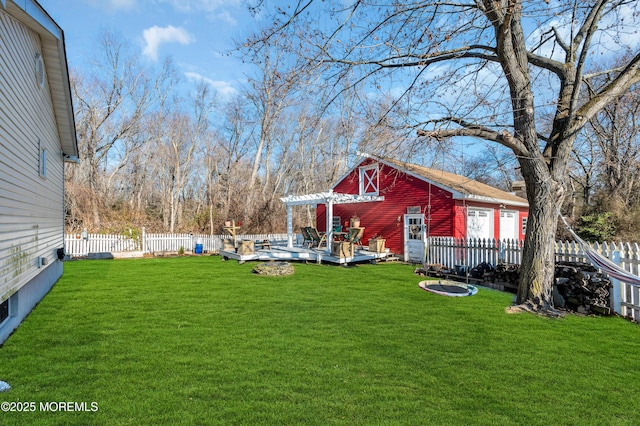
417, 202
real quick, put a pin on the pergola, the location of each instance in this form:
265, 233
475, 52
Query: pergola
328, 198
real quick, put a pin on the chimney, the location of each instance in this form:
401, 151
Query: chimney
518, 188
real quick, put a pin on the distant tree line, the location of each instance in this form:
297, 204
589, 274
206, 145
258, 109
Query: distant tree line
172, 156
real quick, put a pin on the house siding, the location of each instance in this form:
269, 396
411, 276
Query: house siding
31, 206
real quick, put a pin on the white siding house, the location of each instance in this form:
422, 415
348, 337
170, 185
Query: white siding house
37, 135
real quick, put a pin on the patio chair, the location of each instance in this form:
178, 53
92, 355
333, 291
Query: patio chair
338, 235
264, 244
306, 236
317, 237
355, 236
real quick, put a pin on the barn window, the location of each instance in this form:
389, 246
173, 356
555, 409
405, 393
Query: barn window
369, 180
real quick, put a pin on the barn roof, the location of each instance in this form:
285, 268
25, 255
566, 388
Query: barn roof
461, 187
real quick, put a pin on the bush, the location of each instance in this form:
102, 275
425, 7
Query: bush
597, 227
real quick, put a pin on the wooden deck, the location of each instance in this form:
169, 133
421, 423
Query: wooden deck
306, 255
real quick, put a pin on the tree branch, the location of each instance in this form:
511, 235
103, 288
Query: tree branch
504, 138
628, 77
422, 60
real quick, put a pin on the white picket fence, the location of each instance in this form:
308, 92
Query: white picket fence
78, 245
451, 252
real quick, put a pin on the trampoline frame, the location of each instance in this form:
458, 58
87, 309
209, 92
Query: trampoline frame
467, 289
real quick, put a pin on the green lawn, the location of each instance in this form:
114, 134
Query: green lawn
199, 341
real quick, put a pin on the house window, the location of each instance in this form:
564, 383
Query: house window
42, 160
369, 180
39, 69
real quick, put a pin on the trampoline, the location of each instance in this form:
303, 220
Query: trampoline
448, 288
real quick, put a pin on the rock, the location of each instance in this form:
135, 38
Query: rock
274, 268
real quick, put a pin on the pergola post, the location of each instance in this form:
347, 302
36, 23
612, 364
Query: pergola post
329, 228
289, 226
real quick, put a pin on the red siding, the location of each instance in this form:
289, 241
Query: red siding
386, 217
448, 216
523, 214
459, 221
461, 217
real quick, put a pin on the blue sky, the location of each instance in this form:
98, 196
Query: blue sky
195, 33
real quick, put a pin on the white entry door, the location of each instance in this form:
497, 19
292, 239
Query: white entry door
508, 225
414, 238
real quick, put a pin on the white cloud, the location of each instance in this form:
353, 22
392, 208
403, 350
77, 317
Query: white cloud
155, 36
223, 88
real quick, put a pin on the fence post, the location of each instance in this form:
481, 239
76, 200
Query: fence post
615, 285
144, 240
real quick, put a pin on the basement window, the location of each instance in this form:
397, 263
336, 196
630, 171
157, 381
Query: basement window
4, 311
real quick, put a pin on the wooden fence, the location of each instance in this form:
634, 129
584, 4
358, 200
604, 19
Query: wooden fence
625, 297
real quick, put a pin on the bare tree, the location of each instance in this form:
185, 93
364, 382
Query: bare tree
615, 129
109, 106
270, 92
485, 69
181, 132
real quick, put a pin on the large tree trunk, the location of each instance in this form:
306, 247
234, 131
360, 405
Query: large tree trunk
538, 257
545, 179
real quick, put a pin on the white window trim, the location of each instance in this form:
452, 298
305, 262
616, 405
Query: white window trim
365, 180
